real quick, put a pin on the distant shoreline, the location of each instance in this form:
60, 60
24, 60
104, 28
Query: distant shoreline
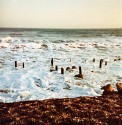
61, 28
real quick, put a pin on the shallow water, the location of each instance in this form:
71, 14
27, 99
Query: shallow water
36, 48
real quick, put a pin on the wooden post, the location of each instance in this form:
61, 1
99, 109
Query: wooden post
94, 60
80, 70
105, 63
62, 70
80, 75
56, 68
101, 61
23, 65
15, 63
52, 61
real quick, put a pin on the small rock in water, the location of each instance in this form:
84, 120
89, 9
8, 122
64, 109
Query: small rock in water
118, 58
25, 94
68, 69
74, 67
51, 70
44, 45
79, 76
108, 89
119, 87
4, 91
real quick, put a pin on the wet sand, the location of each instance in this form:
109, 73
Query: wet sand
102, 110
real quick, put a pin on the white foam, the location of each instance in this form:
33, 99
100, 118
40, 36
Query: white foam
4, 45
24, 94
35, 81
7, 39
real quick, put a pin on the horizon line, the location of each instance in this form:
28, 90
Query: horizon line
55, 28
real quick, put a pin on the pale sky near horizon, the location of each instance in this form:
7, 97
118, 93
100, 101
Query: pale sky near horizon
61, 13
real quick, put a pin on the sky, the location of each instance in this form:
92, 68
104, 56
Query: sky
61, 13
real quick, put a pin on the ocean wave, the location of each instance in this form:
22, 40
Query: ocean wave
35, 81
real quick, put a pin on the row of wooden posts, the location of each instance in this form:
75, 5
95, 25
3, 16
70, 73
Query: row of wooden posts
62, 69
101, 61
56, 67
80, 70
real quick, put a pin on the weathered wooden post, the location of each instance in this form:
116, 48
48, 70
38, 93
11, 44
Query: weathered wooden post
56, 68
62, 70
52, 62
23, 65
80, 70
101, 61
80, 75
16, 64
105, 63
94, 60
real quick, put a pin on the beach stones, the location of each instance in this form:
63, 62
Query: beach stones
119, 87
108, 89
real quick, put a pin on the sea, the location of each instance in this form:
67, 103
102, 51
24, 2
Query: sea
37, 52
